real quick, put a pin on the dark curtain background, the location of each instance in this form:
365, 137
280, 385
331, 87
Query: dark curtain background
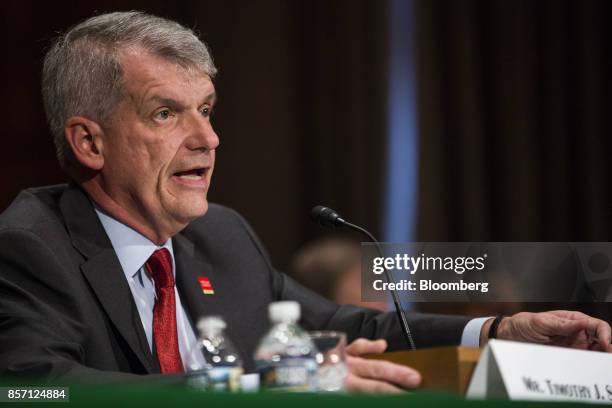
301, 114
515, 122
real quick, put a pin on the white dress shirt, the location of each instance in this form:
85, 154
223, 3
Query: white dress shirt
471, 332
133, 251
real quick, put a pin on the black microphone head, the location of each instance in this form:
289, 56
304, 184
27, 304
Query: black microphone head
326, 217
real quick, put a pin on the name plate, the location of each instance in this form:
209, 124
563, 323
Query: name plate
522, 371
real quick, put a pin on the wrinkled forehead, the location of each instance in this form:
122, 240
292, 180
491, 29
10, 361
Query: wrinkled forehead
140, 63
144, 72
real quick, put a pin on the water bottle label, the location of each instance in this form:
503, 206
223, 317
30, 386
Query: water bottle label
218, 379
289, 374
198, 379
225, 378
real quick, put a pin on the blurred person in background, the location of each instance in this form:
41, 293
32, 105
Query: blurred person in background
332, 268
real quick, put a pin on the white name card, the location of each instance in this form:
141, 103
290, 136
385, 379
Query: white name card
522, 371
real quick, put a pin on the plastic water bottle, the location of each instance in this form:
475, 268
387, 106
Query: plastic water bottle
285, 356
214, 363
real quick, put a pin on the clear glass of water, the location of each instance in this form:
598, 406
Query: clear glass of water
331, 360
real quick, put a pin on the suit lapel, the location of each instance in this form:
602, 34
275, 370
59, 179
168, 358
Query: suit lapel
188, 269
190, 265
104, 273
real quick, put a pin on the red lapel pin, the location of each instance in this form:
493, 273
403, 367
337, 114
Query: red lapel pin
207, 288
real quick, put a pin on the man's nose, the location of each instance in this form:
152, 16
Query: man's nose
202, 135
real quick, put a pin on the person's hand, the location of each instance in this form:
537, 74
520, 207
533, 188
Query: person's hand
376, 376
558, 328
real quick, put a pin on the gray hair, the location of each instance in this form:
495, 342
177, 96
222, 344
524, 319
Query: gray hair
82, 73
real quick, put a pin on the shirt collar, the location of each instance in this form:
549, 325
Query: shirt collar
132, 248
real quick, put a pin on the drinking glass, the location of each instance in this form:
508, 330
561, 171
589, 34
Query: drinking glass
331, 360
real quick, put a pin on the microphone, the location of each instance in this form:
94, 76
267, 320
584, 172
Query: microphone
326, 217
329, 218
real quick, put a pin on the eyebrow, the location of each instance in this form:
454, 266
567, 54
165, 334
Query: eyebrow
173, 103
210, 99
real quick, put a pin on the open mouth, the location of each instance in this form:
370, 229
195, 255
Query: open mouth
193, 174
195, 178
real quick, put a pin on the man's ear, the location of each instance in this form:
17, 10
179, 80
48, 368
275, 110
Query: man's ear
86, 140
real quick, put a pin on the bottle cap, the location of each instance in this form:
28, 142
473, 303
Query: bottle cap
284, 311
210, 324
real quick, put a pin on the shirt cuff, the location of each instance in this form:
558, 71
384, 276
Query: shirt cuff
471, 332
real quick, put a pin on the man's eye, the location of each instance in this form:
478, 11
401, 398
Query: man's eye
206, 111
162, 114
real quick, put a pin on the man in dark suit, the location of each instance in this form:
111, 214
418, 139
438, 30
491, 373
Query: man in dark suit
104, 278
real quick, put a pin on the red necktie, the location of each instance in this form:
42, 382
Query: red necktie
165, 335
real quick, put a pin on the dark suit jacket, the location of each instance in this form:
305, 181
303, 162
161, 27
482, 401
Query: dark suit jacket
66, 310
